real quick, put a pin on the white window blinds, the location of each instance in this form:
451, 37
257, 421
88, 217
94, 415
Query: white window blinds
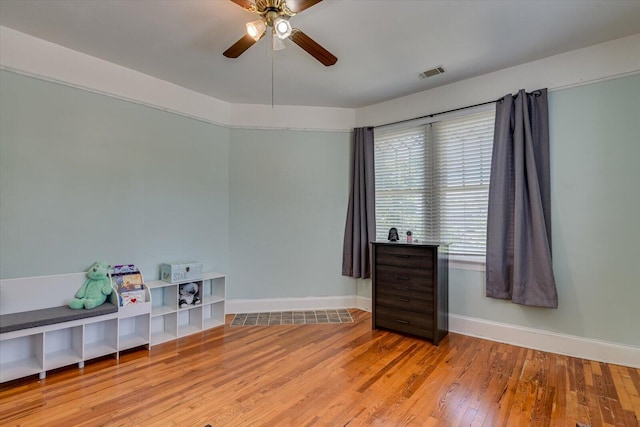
433, 179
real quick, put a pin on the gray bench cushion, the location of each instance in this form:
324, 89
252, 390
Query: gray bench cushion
49, 316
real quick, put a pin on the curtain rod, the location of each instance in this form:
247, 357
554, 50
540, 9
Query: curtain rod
535, 92
437, 114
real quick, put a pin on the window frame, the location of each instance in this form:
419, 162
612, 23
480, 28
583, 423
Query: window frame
459, 261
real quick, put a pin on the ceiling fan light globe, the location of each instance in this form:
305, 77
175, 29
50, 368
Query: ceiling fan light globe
256, 29
282, 28
278, 43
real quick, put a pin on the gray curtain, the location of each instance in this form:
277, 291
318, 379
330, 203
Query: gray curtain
519, 266
360, 228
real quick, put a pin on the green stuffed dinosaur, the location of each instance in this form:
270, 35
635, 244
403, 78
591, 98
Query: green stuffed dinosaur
95, 289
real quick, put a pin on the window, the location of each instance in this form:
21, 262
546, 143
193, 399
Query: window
433, 179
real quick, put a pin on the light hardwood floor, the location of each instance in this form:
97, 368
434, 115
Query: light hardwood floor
328, 375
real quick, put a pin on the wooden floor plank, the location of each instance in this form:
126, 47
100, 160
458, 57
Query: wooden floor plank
327, 375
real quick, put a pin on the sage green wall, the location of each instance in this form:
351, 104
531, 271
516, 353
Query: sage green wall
289, 193
595, 191
268, 207
86, 177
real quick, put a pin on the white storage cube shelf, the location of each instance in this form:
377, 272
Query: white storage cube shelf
169, 321
36, 350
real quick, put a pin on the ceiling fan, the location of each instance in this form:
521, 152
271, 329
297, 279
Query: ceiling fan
275, 14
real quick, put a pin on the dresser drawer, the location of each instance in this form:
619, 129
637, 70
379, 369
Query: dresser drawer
404, 278
415, 301
405, 256
404, 321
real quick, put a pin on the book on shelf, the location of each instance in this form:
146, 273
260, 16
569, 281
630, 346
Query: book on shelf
128, 282
132, 297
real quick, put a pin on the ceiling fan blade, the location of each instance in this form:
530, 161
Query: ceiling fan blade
313, 48
240, 46
297, 6
243, 3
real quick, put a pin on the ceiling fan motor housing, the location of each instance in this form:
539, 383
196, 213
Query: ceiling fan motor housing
276, 14
270, 10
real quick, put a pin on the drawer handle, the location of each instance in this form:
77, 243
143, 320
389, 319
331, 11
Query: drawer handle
403, 299
402, 278
398, 288
402, 321
403, 256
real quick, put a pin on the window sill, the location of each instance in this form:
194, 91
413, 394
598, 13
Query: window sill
474, 263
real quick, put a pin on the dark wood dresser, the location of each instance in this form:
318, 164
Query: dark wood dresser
411, 288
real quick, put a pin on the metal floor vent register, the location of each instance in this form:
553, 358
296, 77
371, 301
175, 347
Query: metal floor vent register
292, 318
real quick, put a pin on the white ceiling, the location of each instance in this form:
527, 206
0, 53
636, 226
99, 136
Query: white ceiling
381, 45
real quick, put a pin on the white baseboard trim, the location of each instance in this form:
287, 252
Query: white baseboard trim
553, 342
288, 304
363, 303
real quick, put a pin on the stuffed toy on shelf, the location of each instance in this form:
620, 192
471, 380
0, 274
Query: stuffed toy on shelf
189, 295
95, 289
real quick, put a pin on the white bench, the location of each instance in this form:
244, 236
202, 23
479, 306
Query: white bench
38, 332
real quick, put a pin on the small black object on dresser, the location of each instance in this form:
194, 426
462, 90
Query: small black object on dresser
411, 288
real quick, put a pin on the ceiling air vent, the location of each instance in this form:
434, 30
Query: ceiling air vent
432, 72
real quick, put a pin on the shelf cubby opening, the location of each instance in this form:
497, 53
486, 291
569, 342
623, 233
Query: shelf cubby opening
63, 347
189, 321
133, 332
100, 338
164, 328
21, 357
164, 300
213, 290
213, 315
